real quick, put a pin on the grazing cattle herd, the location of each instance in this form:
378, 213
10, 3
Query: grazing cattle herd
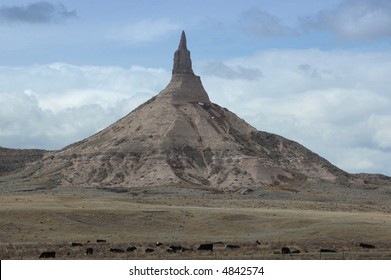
89, 251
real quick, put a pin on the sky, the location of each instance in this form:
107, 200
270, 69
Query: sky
316, 72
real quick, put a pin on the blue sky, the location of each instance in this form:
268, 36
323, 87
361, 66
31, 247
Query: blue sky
125, 33
313, 71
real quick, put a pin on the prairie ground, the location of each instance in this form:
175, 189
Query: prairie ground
37, 220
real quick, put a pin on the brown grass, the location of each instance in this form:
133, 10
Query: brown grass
36, 221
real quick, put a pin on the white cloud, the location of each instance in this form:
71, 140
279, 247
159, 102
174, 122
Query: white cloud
51, 106
359, 159
354, 20
143, 31
334, 102
381, 124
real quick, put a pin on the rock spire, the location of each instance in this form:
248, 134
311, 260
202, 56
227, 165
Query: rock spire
184, 86
182, 42
182, 60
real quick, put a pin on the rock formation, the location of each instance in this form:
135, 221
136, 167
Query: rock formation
184, 86
180, 138
182, 60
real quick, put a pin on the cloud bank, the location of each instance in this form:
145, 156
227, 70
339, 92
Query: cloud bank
349, 21
51, 106
334, 102
354, 20
39, 12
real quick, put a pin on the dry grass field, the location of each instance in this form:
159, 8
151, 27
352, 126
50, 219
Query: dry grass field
36, 220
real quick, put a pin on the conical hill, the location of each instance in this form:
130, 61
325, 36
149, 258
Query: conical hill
180, 137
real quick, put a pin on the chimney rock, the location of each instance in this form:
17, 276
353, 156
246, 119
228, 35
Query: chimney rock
182, 60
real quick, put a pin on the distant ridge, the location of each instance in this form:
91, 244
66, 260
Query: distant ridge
14, 159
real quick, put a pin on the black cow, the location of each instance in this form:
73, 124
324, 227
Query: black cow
116, 250
131, 249
47, 255
327, 251
159, 244
149, 250
206, 247
367, 246
285, 250
259, 243
231, 246
176, 248
75, 244
100, 241
89, 251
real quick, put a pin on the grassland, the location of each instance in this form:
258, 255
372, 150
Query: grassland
36, 220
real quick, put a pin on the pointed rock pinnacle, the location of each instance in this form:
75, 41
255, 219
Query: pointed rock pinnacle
182, 42
184, 87
182, 60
